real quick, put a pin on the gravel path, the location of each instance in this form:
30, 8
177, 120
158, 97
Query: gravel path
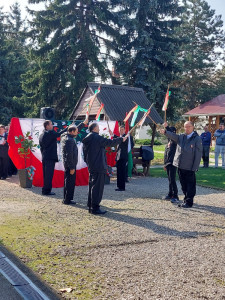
143, 248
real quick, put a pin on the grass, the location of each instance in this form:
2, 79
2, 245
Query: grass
208, 177
47, 247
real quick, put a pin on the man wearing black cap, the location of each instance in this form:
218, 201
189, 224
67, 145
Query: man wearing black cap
171, 170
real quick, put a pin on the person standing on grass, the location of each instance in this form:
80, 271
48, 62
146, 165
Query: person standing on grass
187, 158
95, 157
220, 145
206, 141
70, 159
171, 170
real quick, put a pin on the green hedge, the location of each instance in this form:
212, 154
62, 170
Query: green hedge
147, 142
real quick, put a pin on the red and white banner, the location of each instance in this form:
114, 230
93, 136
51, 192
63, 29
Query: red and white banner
35, 127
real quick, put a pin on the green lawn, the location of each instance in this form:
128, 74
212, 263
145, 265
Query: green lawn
209, 177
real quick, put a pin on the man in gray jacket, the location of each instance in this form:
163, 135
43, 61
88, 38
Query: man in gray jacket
187, 158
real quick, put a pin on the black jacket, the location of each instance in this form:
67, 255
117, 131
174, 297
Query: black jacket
4, 148
48, 144
94, 151
170, 151
69, 149
122, 150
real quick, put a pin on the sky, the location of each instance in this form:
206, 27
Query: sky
218, 5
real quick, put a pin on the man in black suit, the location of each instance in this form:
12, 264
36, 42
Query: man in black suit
4, 158
95, 157
48, 145
122, 161
70, 158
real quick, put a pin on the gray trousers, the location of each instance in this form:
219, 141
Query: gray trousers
220, 149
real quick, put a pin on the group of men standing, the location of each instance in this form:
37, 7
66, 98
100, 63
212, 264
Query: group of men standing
94, 155
183, 153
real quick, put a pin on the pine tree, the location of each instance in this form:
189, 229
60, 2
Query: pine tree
12, 64
201, 53
73, 41
149, 55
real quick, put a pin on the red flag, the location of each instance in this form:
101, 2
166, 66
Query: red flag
126, 125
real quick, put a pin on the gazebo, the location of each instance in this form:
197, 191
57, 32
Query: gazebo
213, 110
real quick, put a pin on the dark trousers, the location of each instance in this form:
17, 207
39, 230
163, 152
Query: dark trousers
121, 173
3, 167
205, 156
48, 172
188, 185
12, 170
69, 185
171, 173
96, 188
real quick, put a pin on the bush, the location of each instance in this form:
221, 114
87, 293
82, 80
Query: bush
147, 142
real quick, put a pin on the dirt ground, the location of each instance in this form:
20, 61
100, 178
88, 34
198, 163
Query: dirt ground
143, 248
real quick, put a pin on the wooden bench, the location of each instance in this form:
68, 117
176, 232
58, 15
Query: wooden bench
137, 160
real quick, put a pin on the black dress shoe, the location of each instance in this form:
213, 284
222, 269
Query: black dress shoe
49, 194
127, 181
120, 190
97, 211
69, 202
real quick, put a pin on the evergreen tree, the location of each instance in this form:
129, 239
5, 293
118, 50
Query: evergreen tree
200, 55
149, 52
12, 64
73, 41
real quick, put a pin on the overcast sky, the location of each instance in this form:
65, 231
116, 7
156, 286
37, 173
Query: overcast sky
218, 5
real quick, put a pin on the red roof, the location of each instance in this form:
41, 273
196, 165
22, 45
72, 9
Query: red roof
214, 107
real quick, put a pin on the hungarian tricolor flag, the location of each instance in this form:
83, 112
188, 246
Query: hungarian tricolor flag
130, 159
166, 102
99, 112
35, 127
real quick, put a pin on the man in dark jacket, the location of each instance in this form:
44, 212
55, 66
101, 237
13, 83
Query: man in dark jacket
4, 157
48, 146
70, 158
187, 158
171, 170
95, 157
206, 141
122, 161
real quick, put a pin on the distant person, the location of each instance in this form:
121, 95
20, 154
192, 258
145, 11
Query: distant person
12, 170
48, 146
95, 157
122, 161
4, 158
70, 159
187, 159
206, 141
171, 170
220, 145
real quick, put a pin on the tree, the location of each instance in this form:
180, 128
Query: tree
201, 53
72, 42
149, 48
12, 64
